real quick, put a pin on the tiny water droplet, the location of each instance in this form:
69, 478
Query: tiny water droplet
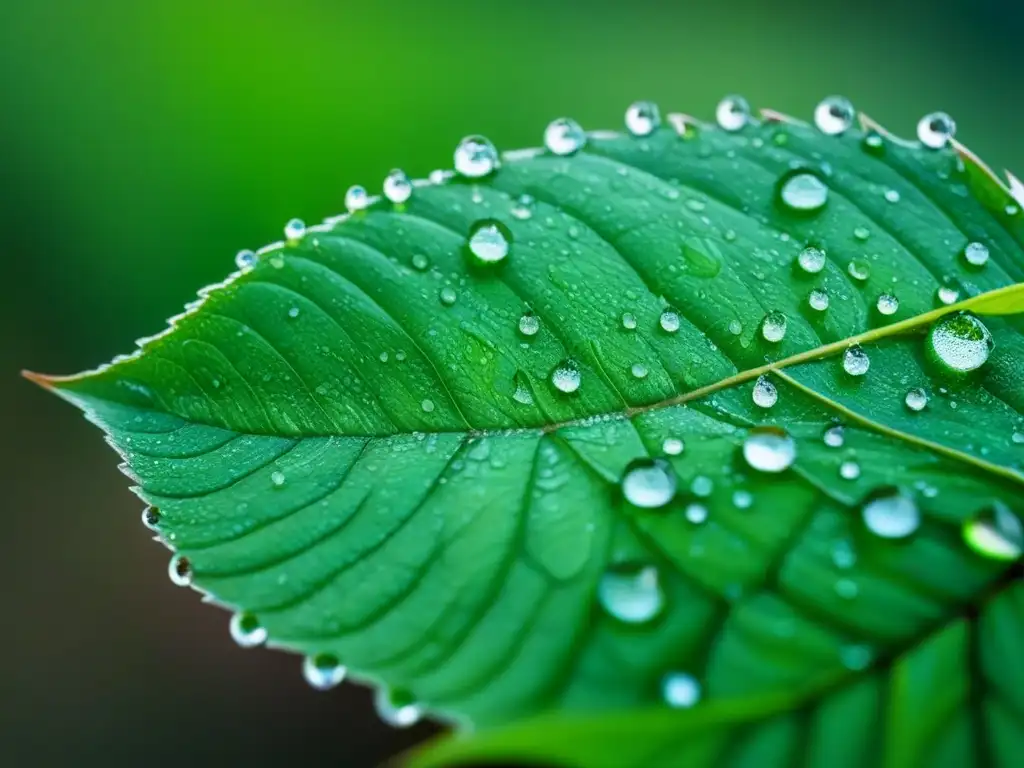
523, 209
672, 446
834, 115
489, 241
529, 325
566, 377
397, 708
294, 230
680, 690
649, 483
849, 470
995, 532
861, 233
293, 312
834, 437
448, 296
818, 299
769, 449
773, 326
891, 513
475, 157
916, 399
564, 137
245, 259
246, 630
856, 361
397, 187
976, 254
180, 571
887, 304
669, 321
936, 129
765, 394
702, 486
277, 478
427, 406
631, 592
873, 143
642, 118
639, 370
732, 113
947, 295
323, 671
802, 192
961, 342
742, 499
811, 260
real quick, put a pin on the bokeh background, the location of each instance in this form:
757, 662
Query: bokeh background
144, 142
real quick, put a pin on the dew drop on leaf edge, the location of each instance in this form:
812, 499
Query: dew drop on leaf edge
323, 671
180, 571
246, 630
564, 136
732, 113
397, 187
397, 708
642, 118
936, 129
356, 199
834, 115
475, 157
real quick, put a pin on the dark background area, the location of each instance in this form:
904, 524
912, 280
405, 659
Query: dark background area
143, 143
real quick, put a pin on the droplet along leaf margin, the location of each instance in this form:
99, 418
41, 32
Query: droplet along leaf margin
559, 546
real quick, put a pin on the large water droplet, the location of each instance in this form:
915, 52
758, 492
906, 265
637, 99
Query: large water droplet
564, 137
995, 532
935, 130
180, 571
976, 254
769, 449
773, 326
891, 513
765, 394
356, 199
246, 630
489, 241
732, 113
916, 399
397, 708
887, 304
802, 192
397, 187
811, 260
669, 321
529, 324
245, 259
294, 230
475, 157
631, 592
961, 342
566, 376
834, 115
323, 671
649, 483
856, 361
680, 690
642, 118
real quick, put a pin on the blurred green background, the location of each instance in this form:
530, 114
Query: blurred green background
143, 143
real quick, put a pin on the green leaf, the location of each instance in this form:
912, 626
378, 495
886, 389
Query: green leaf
535, 488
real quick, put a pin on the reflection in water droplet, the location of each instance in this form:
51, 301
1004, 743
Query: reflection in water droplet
856, 361
935, 130
245, 259
834, 115
802, 192
649, 483
811, 260
765, 394
529, 325
916, 399
151, 518
397, 187
773, 326
887, 304
323, 671
680, 690
397, 708
475, 157
769, 449
630, 592
356, 199
859, 269
672, 446
732, 113
849, 470
961, 342
564, 137
294, 230
566, 376
995, 532
489, 241
180, 571
669, 321
642, 118
891, 513
976, 254
247, 631
818, 300
834, 437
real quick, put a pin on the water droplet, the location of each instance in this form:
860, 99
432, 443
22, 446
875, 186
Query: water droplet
277, 478
448, 296
849, 470
834, 437
293, 312
834, 115
732, 113
891, 513
356, 198
995, 532
427, 406
639, 370
856, 657
765, 394
672, 446
892, 195
735, 327
180, 571
843, 555
811, 260
649, 483
818, 300
529, 324
151, 518
976, 254
961, 342
887, 304
523, 209
702, 486
564, 137
631, 592
859, 269
247, 631
802, 192
245, 259
769, 449
742, 499
489, 241
947, 295
856, 361
916, 399
566, 376
629, 321
383, 357
397, 187
475, 157
397, 708
680, 690
773, 326
294, 230
323, 671
642, 118
669, 321
935, 130
1017, 438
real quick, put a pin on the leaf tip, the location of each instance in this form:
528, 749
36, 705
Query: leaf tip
46, 382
